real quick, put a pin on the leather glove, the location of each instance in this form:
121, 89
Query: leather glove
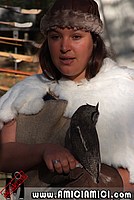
109, 179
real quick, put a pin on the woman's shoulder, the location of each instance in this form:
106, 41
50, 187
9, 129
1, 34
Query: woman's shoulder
25, 97
112, 67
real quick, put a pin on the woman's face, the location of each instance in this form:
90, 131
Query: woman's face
70, 51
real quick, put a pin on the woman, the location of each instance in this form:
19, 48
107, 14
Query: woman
76, 71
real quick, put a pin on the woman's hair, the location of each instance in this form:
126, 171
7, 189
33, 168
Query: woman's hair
78, 15
93, 66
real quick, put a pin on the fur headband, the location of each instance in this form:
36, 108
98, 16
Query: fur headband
71, 19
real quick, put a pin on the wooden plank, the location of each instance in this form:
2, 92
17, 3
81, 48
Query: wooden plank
4, 88
17, 24
11, 71
31, 11
22, 10
10, 43
37, 45
14, 39
20, 57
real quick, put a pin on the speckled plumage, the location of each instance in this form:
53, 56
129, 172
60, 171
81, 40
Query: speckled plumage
82, 139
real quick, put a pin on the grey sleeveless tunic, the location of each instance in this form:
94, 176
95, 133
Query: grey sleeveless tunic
50, 126
47, 126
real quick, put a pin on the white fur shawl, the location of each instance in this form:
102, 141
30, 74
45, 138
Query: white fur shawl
112, 87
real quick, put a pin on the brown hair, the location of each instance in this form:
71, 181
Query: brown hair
93, 67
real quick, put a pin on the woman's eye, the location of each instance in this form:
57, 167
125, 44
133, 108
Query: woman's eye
77, 37
54, 37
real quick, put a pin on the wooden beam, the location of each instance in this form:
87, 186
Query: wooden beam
20, 57
37, 45
10, 43
4, 88
13, 39
11, 71
31, 11
17, 24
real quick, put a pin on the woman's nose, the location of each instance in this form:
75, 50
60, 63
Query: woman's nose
65, 46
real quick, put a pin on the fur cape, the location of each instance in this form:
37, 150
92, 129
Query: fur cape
112, 87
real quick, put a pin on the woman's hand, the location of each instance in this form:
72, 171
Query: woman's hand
58, 158
125, 177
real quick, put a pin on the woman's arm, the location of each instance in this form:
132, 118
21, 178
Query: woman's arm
18, 156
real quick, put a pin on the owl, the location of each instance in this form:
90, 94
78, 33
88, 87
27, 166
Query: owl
82, 139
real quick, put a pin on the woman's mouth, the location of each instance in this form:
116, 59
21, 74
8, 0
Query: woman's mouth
66, 60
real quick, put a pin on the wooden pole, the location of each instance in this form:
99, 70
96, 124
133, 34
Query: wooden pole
20, 57
14, 39
37, 45
11, 71
10, 43
4, 88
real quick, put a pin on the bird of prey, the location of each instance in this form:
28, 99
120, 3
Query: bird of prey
82, 139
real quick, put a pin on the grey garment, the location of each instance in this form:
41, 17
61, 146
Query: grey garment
48, 126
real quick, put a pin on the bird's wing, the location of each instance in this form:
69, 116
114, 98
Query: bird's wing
68, 144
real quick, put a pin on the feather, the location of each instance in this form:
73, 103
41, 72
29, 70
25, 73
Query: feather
82, 139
